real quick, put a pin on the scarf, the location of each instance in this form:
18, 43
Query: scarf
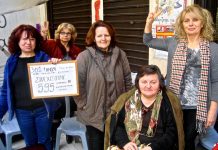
178, 67
133, 118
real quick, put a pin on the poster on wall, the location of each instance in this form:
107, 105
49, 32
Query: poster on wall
97, 10
163, 25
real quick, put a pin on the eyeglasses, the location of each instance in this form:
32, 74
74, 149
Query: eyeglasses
65, 33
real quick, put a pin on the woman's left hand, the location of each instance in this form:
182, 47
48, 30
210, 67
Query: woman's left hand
212, 114
54, 60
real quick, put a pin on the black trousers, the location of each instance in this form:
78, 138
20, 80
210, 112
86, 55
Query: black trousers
95, 138
189, 117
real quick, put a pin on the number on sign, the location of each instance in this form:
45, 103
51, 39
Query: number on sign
47, 87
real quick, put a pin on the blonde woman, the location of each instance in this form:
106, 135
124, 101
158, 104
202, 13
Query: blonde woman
63, 45
192, 71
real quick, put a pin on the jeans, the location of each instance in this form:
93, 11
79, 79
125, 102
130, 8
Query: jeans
210, 139
95, 138
35, 126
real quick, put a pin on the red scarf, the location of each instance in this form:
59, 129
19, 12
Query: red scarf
178, 67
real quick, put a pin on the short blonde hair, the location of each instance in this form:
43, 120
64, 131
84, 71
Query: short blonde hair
203, 14
68, 26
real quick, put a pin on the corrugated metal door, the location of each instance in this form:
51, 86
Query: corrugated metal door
127, 16
76, 12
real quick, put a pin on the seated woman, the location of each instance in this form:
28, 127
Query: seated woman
148, 116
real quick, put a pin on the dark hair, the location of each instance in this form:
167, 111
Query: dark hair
14, 39
90, 37
148, 70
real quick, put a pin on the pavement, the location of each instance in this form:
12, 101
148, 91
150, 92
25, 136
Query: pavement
63, 144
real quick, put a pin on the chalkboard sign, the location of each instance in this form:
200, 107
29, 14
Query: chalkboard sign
53, 80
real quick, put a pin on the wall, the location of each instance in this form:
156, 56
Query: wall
76, 12
9, 21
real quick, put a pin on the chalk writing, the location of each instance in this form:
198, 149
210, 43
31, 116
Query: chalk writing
3, 21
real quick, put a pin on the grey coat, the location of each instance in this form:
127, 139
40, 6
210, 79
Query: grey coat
170, 45
102, 79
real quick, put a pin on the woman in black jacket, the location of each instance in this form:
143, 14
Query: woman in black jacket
146, 118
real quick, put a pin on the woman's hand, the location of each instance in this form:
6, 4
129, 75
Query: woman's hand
153, 15
130, 146
45, 29
54, 60
212, 114
150, 19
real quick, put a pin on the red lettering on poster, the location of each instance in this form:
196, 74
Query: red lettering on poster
97, 7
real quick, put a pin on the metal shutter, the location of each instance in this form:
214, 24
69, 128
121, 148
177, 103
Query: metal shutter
76, 12
128, 18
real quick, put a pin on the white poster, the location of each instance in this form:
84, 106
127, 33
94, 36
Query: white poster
163, 25
97, 10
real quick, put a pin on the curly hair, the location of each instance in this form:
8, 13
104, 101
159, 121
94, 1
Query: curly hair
150, 70
204, 15
90, 37
14, 38
68, 26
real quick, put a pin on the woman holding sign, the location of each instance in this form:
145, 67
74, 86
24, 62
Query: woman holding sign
104, 74
34, 116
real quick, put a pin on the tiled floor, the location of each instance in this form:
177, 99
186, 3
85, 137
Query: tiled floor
63, 145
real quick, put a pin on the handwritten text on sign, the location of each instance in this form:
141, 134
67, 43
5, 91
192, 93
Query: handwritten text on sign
49, 80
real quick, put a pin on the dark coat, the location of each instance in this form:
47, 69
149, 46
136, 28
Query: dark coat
111, 121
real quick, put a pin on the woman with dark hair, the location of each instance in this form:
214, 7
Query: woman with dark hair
148, 117
34, 116
104, 74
